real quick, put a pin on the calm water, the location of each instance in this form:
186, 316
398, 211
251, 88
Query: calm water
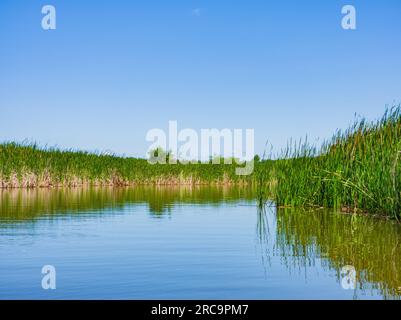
188, 243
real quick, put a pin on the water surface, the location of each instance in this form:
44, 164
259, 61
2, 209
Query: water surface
188, 243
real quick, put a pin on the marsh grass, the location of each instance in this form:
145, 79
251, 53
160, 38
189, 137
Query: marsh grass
357, 170
28, 165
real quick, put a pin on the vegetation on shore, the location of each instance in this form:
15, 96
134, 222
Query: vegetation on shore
357, 169
29, 166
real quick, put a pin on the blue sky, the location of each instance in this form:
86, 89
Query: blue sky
112, 70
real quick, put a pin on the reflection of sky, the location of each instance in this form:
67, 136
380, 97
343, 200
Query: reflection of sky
113, 70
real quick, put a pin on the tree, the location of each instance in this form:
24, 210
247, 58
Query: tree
159, 155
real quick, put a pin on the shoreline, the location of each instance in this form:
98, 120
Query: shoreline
357, 169
347, 211
80, 182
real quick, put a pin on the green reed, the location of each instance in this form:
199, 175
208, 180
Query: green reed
358, 169
27, 165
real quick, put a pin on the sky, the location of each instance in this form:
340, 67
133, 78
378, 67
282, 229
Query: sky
113, 70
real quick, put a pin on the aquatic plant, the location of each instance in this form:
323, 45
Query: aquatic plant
357, 170
27, 165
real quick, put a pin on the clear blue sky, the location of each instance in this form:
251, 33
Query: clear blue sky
112, 70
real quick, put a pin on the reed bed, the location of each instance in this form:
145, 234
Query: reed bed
357, 170
29, 166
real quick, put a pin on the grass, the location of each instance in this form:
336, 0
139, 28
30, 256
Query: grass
27, 165
356, 170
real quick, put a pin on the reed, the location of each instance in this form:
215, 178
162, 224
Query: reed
29, 166
357, 170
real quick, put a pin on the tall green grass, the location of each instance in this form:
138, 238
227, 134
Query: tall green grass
358, 169
28, 165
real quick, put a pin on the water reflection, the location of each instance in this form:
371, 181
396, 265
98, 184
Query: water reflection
296, 238
264, 221
24, 204
370, 245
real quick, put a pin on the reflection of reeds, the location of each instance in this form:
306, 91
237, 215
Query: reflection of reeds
371, 246
262, 224
263, 230
22, 204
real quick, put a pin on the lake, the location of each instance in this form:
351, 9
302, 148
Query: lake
190, 243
